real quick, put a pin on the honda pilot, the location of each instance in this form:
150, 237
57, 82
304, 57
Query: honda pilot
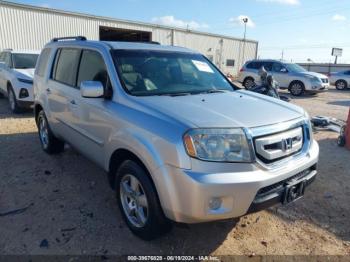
178, 141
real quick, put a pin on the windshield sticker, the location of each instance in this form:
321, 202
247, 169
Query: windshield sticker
202, 66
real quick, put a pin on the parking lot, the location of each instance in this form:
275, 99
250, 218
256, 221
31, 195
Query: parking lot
63, 204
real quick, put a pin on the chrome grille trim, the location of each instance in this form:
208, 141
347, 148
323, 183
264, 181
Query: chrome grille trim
253, 133
279, 145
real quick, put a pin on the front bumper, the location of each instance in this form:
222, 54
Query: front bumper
317, 87
186, 194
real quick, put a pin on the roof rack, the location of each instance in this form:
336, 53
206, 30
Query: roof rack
77, 38
8, 49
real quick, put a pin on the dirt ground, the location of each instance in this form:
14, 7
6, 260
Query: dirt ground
65, 206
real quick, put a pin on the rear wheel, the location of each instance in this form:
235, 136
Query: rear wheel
13, 100
341, 85
49, 142
248, 83
138, 202
297, 88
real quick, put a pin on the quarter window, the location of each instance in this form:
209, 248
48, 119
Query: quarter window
66, 67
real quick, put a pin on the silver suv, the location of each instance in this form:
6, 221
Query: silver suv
288, 75
178, 141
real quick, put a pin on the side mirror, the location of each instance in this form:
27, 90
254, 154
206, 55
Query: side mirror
284, 70
91, 89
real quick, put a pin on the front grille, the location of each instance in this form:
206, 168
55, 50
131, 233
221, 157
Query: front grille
274, 147
324, 80
280, 185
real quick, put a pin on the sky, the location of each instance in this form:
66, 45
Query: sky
301, 30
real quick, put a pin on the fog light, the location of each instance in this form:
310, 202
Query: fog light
23, 93
215, 203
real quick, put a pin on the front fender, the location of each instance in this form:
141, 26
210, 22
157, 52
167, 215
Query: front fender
152, 150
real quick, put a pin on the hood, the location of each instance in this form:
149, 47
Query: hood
28, 73
231, 109
313, 74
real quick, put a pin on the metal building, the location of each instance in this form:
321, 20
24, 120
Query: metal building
31, 27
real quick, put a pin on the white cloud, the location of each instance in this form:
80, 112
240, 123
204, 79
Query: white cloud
170, 20
284, 2
239, 21
338, 17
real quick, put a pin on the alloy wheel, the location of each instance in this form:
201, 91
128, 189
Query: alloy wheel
341, 85
296, 89
44, 132
134, 201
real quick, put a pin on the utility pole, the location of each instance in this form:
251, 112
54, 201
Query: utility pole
245, 21
282, 55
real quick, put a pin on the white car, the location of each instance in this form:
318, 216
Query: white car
16, 77
288, 75
341, 80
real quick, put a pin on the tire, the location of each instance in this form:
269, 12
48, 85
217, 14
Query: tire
138, 202
248, 83
49, 143
341, 141
13, 100
341, 85
296, 88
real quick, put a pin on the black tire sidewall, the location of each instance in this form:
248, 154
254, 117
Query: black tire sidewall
156, 224
54, 145
16, 110
341, 81
245, 82
302, 86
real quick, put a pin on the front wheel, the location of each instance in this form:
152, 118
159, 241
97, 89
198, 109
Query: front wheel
341, 85
13, 101
138, 202
49, 142
297, 88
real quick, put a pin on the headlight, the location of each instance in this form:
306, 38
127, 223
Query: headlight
310, 127
220, 145
314, 78
27, 81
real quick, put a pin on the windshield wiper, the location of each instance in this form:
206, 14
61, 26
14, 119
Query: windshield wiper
175, 94
213, 91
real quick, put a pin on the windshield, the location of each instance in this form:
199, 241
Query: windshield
23, 61
294, 68
147, 72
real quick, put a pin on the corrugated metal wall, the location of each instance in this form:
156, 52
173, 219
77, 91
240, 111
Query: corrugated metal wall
25, 27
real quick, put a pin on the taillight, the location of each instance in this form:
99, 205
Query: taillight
242, 70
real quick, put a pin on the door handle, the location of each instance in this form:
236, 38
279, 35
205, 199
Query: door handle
48, 90
73, 102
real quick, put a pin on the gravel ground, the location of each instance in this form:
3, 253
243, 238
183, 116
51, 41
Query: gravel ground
65, 206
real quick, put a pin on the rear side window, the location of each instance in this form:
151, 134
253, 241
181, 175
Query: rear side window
268, 66
254, 65
92, 68
42, 62
65, 70
347, 72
